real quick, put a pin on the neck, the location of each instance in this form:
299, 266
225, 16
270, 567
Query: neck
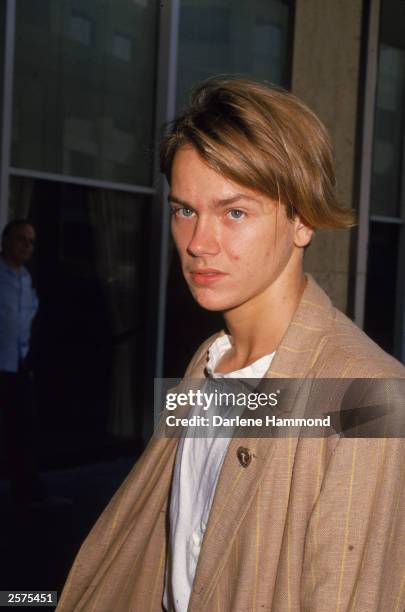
258, 326
16, 266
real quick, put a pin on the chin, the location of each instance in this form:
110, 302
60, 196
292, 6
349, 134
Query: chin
210, 301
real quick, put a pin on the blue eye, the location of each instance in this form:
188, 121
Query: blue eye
235, 214
187, 212
183, 212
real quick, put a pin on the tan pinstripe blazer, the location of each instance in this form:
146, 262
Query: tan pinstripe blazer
314, 525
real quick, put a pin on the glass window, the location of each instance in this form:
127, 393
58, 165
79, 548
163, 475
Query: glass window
381, 288
37, 13
83, 101
90, 275
233, 37
385, 290
81, 29
122, 47
2, 43
388, 135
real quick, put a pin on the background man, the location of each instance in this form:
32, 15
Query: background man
18, 306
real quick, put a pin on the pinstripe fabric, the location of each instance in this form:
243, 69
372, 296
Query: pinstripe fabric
312, 525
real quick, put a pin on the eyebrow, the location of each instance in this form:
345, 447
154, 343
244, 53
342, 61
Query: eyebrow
219, 203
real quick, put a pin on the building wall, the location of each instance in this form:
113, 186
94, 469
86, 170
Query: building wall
325, 75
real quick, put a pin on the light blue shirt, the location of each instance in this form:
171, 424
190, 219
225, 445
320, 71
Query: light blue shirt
18, 306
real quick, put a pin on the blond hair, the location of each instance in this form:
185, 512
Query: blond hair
265, 139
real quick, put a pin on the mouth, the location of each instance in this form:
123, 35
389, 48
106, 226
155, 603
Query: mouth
206, 276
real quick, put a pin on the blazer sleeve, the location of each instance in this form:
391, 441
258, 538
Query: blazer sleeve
354, 556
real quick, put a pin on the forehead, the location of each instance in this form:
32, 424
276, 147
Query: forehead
195, 183
23, 231
187, 160
191, 173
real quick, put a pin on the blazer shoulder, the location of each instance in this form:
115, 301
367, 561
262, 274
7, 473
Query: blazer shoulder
357, 353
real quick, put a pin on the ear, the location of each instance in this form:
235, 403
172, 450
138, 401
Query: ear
302, 232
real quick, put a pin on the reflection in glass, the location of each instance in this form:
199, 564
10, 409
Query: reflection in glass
388, 135
233, 37
81, 29
84, 88
89, 273
122, 47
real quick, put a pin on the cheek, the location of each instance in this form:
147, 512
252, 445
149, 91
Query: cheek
245, 246
179, 239
280, 246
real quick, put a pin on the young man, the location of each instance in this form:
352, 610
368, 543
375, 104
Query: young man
280, 524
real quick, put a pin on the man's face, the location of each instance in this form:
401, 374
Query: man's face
233, 242
19, 244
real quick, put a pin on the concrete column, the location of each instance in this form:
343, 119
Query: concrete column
326, 59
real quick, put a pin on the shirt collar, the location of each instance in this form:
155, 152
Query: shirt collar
6, 268
220, 346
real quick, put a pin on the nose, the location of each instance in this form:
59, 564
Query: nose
204, 240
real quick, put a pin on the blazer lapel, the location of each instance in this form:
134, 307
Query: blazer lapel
237, 485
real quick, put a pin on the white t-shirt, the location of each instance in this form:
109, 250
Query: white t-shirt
196, 472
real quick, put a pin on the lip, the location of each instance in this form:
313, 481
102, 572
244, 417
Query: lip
206, 276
